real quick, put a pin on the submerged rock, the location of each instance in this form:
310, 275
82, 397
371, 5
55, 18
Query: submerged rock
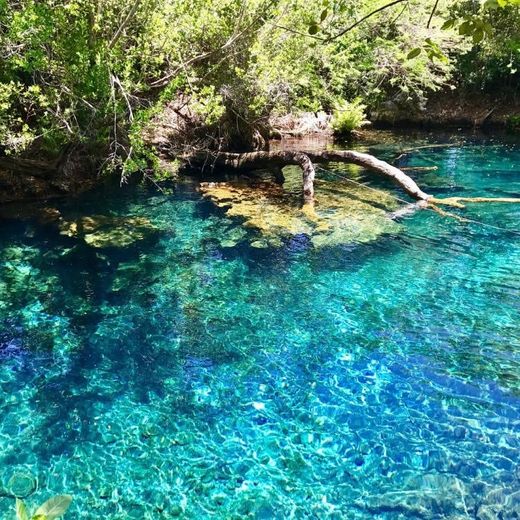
21, 483
101, 231
342, 213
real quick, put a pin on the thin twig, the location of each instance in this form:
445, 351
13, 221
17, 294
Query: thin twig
366, 17
432, 13
122, 27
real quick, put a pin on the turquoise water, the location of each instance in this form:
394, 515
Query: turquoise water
178, 377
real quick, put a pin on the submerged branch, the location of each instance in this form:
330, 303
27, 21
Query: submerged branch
419, 168
456, 201
407, 151
447, 214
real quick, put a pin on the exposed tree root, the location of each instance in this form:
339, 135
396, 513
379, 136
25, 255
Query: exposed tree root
261, 160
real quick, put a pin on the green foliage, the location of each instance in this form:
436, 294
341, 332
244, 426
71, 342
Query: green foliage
513, 124
493, 57
208, 104
52, 509
348, 116
93, 73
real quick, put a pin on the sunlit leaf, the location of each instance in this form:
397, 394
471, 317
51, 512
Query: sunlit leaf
54, 507
21, 510
448, 24
486, 26
464, 28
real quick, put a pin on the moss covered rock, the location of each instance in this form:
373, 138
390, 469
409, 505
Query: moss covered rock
342, 213
101, 231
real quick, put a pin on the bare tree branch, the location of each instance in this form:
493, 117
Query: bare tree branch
125, 22
366, 17
432, 14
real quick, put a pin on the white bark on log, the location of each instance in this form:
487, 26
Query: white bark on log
376, 165
260, 160
304, 159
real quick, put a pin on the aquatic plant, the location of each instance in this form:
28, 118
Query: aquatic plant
53, 508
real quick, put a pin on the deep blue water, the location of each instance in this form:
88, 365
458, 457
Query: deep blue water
182, 377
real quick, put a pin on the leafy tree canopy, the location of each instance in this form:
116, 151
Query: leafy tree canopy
92, 72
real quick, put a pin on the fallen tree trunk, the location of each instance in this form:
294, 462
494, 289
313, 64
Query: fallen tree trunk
305, 160
370, 162
261, 160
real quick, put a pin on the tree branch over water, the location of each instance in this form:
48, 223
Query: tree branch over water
366, 17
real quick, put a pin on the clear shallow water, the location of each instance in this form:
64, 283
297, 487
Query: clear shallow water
178, 377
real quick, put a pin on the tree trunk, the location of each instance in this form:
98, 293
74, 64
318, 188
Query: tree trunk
72, 171
260, 160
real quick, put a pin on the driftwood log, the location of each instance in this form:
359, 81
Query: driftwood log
305, 160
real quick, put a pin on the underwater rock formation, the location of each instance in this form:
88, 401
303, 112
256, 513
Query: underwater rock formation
341, 215
101, 231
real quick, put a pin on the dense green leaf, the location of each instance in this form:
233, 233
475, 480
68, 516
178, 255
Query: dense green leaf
414, 53
448, 24
313, 28
465, 28
478, 35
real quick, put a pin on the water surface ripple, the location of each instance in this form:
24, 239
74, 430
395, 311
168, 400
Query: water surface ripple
182, 377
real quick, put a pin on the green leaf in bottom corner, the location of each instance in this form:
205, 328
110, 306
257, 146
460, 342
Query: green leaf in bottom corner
39, 517
21, 510
54, 507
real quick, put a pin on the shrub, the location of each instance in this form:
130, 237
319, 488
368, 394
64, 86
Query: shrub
513, 124
348, 116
